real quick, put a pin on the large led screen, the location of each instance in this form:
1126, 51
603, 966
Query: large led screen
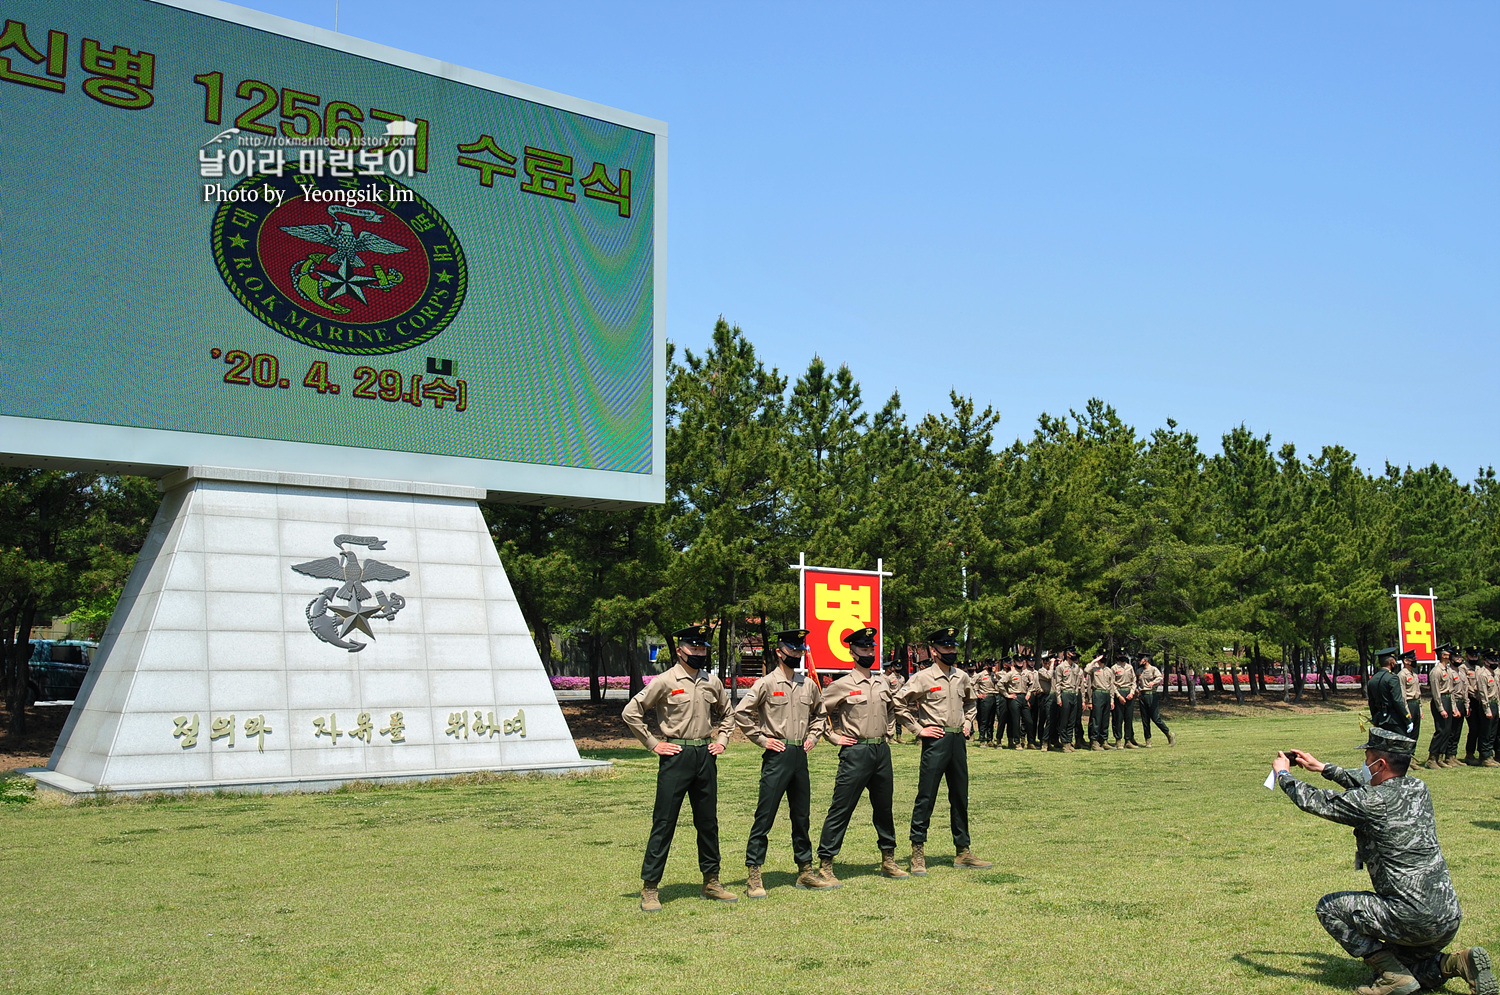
228, 227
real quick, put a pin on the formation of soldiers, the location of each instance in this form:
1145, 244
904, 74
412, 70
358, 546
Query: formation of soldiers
1463, 687
1030, 704
684, 716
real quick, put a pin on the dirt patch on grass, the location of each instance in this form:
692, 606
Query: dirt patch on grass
1224, 705
43, 726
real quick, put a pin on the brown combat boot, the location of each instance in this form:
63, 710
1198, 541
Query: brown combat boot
1131, 744
1451, 760
1069, 748
807, 877
888, 866
650, 900
1391, 977
918, 860
965, 858
1432, 762
1473, 965
714, 890
1171, 740
1096, 746
1146, 745
754, 887
1490, 762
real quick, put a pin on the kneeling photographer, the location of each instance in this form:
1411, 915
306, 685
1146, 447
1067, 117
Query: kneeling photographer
1401, 927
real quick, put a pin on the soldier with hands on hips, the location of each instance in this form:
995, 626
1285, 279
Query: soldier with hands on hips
783, 715
861, 721
938, 704
684, 717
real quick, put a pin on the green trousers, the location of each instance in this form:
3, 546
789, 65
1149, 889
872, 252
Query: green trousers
694, 774
1151, 712
862, 767
1479, 729
943, 758
1099, 717
782, 774
1445, 731
1065, 720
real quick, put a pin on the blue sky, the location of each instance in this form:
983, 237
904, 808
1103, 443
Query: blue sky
1269, 213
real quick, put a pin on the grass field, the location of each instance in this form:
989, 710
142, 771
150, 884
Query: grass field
1169, 870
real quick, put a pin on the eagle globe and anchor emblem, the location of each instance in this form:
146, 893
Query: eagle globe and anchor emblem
334, 623
355, 265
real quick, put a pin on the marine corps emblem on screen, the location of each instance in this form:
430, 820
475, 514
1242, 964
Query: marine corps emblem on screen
358, 265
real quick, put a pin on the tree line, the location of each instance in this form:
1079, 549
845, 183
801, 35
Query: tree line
1086, 533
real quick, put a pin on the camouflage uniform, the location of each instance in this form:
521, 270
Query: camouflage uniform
1413, 911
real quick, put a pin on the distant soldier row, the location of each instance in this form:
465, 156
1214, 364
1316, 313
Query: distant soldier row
684, 716
1032, 704
1463, 685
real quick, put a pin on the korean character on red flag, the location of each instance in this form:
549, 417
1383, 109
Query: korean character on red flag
122, 78
14, 39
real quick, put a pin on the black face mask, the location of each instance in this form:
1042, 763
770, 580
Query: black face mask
949, 657
863, 661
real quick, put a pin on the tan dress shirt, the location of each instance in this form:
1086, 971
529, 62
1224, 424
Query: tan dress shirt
677, 706
933, 698
776, 707
860, 707
1152, 680
1411, 685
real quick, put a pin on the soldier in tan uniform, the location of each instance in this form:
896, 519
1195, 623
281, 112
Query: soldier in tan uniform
1067, 688
861, 720
684, 717
1479, 749
985, 686
1123, 718
938, 704
1042, 706
783, 715
1009, 682
1152, 682
1446, 683
1411, 693
1100, 680
1031, 697
1492, 705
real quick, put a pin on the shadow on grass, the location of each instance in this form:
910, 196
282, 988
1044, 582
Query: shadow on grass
1487, 824
1328, 969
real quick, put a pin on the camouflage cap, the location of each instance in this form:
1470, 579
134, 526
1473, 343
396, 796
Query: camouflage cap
1386, 741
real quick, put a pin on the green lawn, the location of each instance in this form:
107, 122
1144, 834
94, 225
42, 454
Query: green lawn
1171, 870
